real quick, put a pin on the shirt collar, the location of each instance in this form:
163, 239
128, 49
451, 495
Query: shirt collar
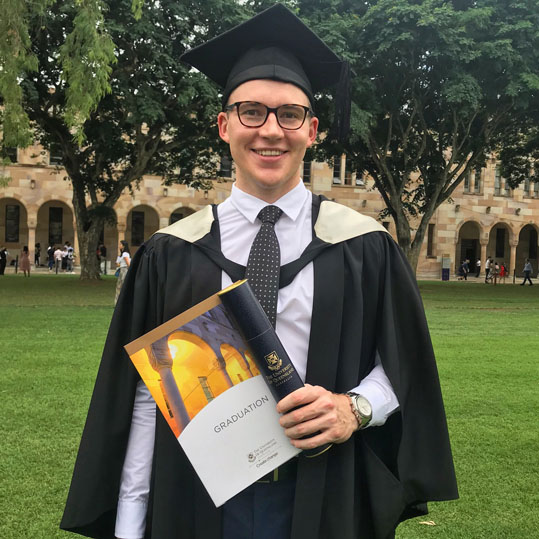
291, 203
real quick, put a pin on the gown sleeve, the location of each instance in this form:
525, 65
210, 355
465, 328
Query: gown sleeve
93, 496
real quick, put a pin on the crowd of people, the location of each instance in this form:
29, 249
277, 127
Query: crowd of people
61, 259
495, 272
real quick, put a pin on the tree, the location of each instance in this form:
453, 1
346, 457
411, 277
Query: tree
159, 116
438, 85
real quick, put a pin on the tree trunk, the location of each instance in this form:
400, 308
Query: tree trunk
88, 244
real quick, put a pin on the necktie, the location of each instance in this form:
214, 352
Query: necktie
264, 262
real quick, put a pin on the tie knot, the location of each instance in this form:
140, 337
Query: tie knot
270, 214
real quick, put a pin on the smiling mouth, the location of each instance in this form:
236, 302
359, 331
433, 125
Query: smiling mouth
269, 153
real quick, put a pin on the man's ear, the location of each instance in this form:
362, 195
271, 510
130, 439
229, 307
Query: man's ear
313, 130
222, 122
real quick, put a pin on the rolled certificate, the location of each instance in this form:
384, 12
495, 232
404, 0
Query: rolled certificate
260, 337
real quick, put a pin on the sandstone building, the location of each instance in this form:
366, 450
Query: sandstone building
485, 217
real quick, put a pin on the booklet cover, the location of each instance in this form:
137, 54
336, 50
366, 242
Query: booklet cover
207, 384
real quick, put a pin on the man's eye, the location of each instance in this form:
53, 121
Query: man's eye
252, 112
291, 114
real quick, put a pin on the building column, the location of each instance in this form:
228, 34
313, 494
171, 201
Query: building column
121, 231
513, 258
32, 239
484, 243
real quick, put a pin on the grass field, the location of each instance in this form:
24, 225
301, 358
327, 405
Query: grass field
52, 330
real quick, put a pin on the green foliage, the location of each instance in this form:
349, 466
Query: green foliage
117, 83
438, 84
15, 58
86, 57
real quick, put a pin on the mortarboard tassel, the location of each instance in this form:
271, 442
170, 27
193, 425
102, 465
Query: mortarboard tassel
341, 118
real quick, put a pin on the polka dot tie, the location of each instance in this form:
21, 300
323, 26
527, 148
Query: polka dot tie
264, 262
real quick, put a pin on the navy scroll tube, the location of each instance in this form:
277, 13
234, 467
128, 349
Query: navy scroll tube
268, 352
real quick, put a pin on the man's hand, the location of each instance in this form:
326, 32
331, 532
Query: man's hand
318, 410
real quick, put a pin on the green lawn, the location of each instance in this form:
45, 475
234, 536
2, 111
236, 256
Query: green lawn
52, 330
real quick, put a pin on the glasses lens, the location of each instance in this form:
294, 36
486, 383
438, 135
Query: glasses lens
291, 116
252, 114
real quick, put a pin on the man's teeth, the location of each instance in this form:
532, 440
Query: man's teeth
269, 153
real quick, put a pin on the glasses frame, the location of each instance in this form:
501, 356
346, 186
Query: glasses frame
236, 105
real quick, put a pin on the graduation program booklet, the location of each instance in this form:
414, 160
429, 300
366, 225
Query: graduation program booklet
202, 372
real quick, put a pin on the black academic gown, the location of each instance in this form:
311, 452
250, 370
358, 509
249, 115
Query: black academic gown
365, 299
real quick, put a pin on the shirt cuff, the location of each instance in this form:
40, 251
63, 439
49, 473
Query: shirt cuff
130, 519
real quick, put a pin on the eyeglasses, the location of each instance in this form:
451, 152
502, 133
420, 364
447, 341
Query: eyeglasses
253, 114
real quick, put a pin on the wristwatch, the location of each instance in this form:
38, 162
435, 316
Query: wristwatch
361, 408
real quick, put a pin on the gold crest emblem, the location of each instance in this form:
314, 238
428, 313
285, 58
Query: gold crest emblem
273, 361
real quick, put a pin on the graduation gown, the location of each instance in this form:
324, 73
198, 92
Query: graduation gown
365, 300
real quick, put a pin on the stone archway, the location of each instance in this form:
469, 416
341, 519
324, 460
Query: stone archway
527, 248
14, 233
142, 222
499, 243
54, 225
180, 213
468, 245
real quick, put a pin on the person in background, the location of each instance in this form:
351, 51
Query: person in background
37, 255
487, 269
503, 272
103, 255
122, 262
70, 257
527, 272
50, 257
3, 259
24, 262
478, 268
58, 259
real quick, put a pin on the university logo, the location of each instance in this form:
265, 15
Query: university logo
273, 361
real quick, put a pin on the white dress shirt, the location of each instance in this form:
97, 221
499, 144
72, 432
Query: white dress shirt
238, 227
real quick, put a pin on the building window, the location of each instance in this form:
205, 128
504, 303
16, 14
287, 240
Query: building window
527, 187
498, 182
137, 227
55, 225
206, 388
536, 189
477, 180
55, 154
385, 224
467, 181
13, 214
337, 170
360, 180
10, 152
500, 243
430, 240
532, 252
225, 168
306, 175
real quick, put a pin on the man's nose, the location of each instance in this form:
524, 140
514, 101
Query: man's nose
271, 126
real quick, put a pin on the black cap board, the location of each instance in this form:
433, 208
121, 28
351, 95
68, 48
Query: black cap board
275, 44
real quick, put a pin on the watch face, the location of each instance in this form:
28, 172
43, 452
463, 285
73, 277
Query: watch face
363, 406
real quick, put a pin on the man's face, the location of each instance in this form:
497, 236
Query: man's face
268, 157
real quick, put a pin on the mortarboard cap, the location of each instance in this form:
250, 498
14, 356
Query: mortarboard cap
277, 45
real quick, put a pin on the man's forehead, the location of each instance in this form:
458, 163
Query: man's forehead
263, 90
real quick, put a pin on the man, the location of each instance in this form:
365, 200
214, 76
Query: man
478, 268
487, 269
347, 326
103, 256
70, 257
3, 259
527, 272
